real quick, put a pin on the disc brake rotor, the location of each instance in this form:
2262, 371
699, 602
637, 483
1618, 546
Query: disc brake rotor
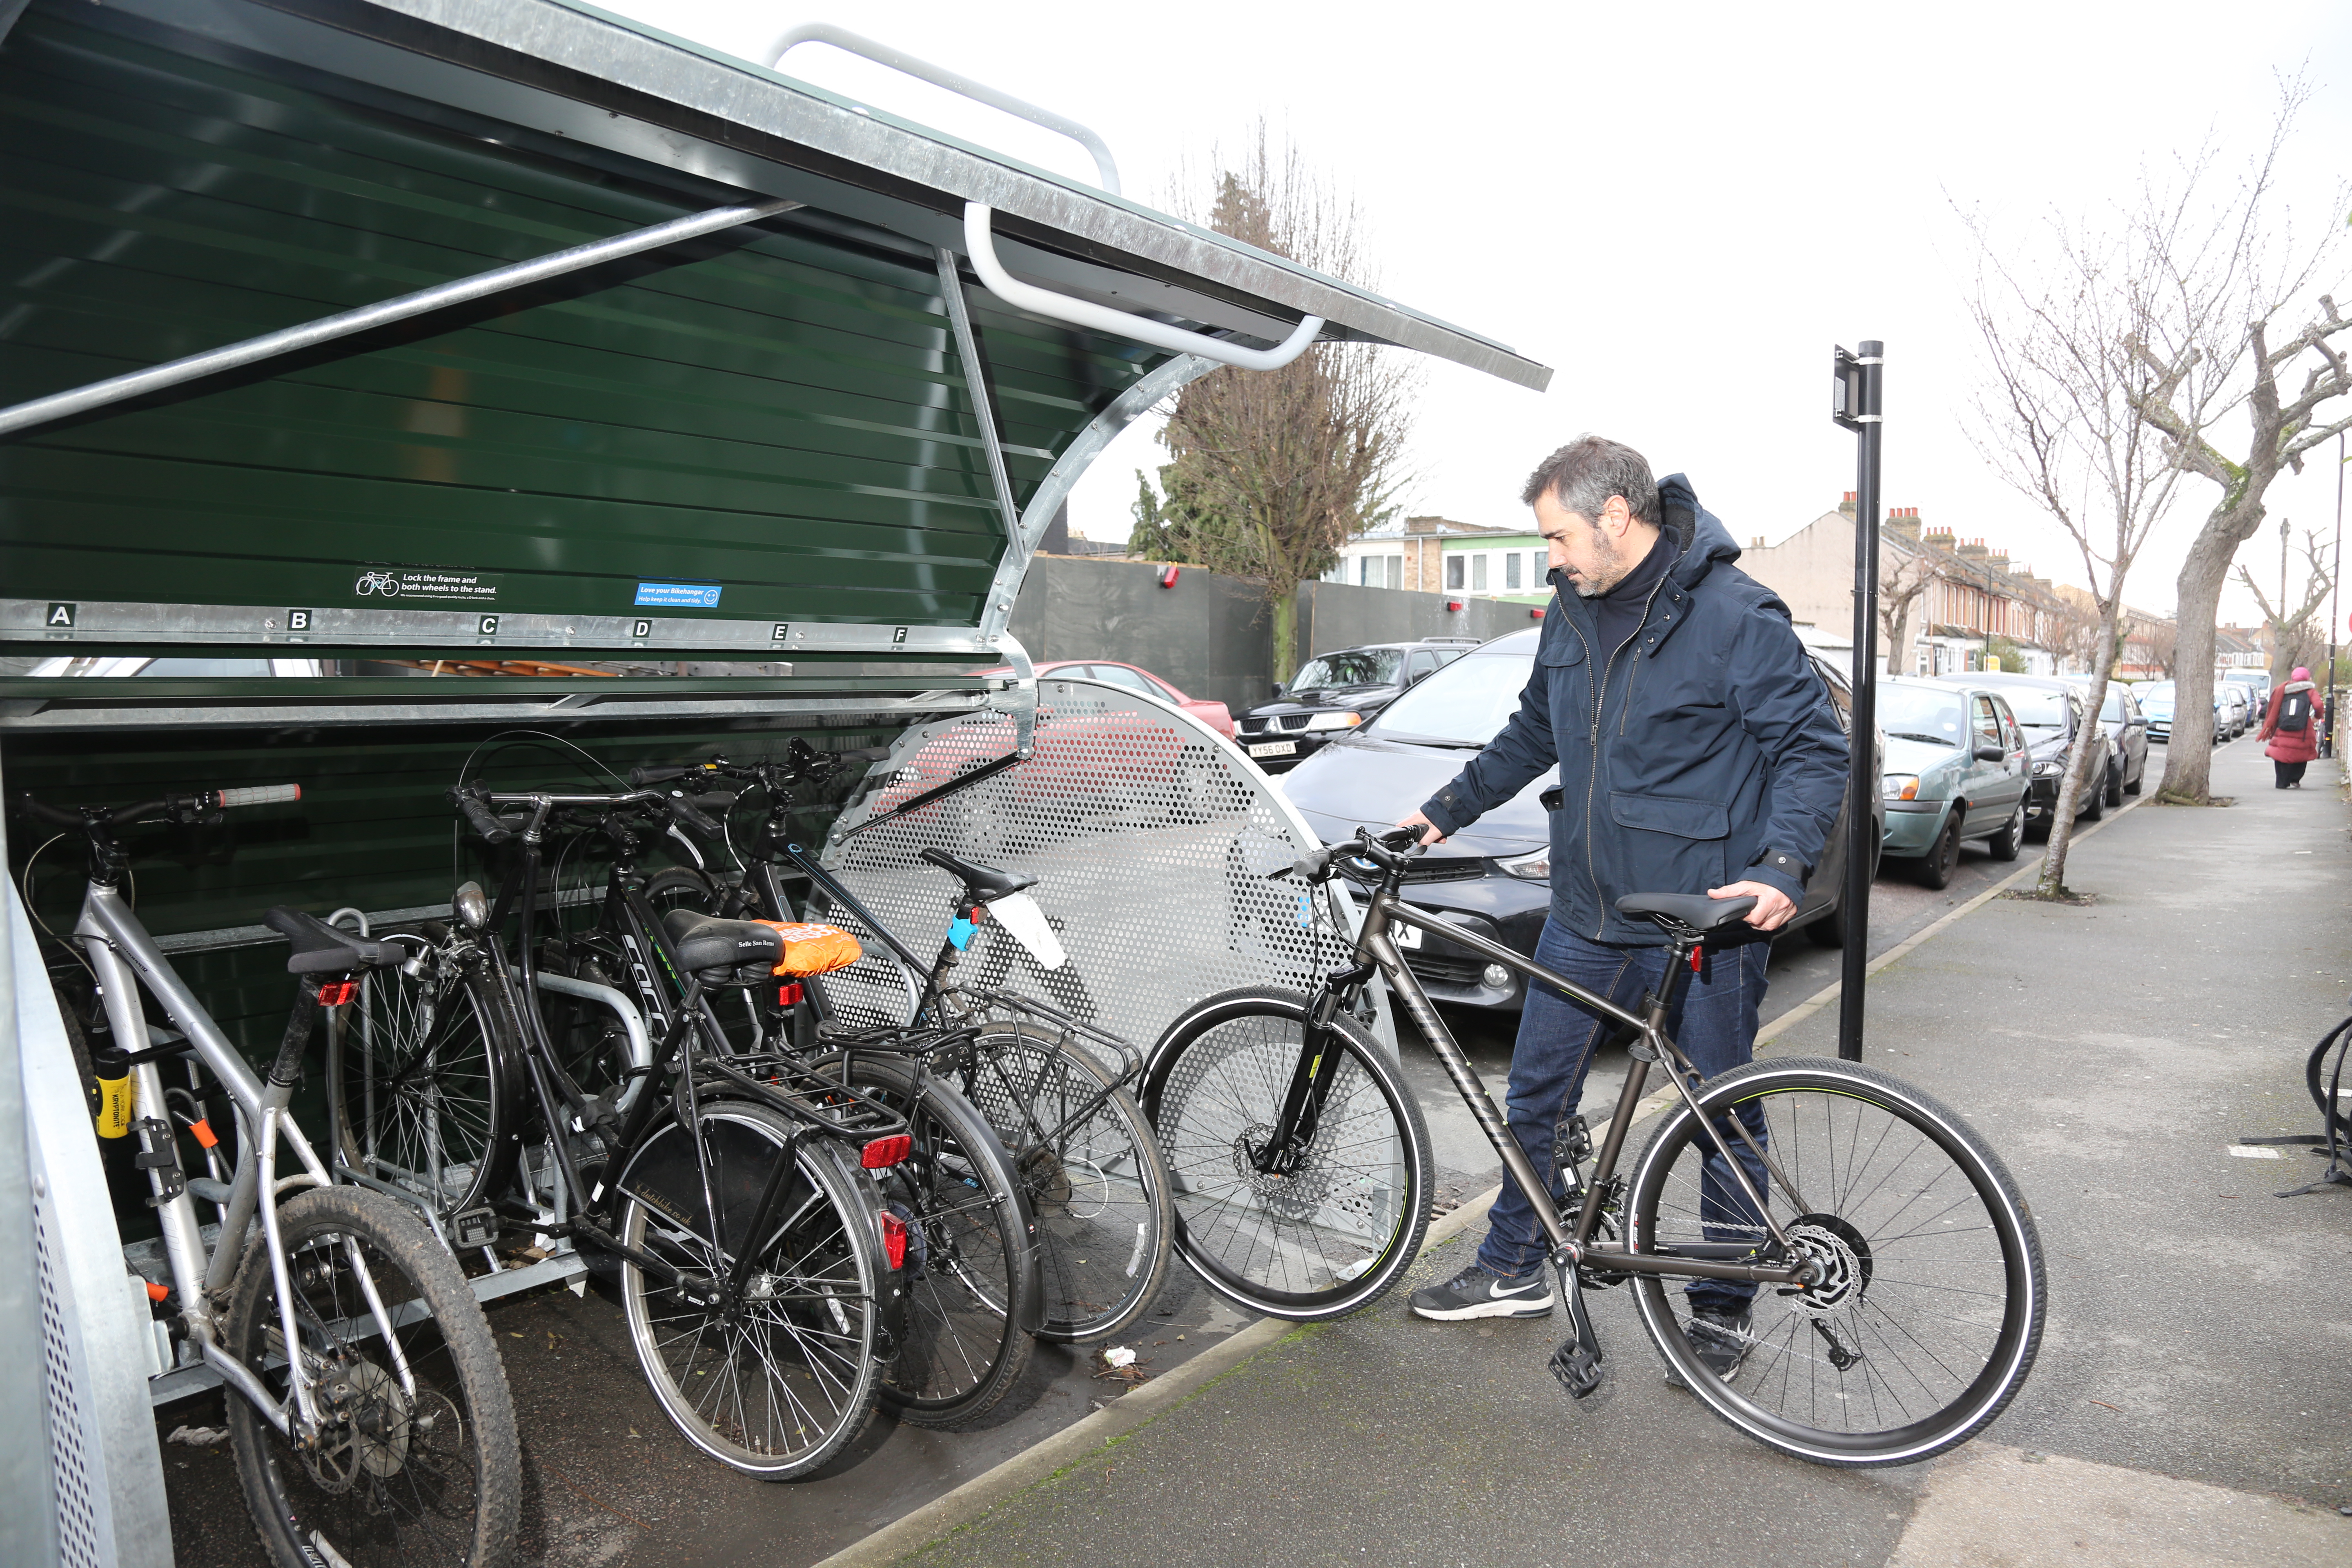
1842, 1258
1294, 1197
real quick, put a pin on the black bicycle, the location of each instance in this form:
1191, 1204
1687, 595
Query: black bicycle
1902, 1294
760, 1275
1090, 1169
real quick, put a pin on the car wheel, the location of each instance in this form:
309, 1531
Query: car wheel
2138, 779
2004, 845
2116, 787
2092, 806
1936, 867
1830, 930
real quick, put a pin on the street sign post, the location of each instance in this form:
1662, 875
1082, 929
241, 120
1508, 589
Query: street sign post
1855, 405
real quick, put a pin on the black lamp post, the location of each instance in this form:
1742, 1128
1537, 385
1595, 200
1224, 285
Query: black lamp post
1854, 405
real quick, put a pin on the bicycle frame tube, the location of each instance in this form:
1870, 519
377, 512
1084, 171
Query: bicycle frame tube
1374, 942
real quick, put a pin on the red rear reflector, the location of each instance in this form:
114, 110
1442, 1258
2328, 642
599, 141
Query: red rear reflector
894, 1239
886, 1152
789, 993
336, 995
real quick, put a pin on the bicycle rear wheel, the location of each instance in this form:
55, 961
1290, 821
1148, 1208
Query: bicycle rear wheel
420, 1077
1093, 1173
971, 1262
1929, 1313
774, 1386
1338, 1230
408, 1472
2324, 1082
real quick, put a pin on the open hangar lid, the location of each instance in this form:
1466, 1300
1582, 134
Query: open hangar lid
779, 407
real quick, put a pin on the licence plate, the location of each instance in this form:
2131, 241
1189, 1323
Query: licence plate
1275, 749
1406, 936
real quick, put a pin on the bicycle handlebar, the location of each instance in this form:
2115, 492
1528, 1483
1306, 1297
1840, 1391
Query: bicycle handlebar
1384, 850
473, 803
180, 807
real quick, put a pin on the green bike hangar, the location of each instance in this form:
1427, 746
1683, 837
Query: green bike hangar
348, 343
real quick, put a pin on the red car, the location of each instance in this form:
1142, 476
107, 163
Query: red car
1215, 715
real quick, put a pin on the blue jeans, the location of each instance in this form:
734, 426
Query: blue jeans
1715, 1025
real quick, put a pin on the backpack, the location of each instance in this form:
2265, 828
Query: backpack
2294, 711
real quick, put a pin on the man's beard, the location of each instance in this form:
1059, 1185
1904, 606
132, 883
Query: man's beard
1590, 588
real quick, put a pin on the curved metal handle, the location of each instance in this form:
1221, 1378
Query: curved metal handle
981, 245
938, 75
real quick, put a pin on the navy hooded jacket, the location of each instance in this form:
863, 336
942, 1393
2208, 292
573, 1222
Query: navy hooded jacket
1703, 750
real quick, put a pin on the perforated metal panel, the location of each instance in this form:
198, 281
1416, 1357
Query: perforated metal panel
1151, 839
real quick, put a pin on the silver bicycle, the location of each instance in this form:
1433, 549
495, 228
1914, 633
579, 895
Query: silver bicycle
369, 1414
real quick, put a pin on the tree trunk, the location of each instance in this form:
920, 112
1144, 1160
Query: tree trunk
1898, 628
1285, 637
2189, 756
2086, 763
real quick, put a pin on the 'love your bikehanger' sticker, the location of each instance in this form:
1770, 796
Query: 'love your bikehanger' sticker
424, 586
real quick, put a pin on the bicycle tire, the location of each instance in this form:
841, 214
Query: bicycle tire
1263, 1242
2321, 1083
387, 1488
446, 1130
813, 1361
972, 1255
1941, 1347
682, 887
1092, 1179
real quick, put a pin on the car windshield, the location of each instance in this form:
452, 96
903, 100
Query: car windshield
1357, 667
2158, 697
2037, 710
1921, 713
1464, 704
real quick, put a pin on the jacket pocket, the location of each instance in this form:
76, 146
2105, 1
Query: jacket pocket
1561, 644
1667, 844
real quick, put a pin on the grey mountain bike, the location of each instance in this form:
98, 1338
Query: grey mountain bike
1901, 1294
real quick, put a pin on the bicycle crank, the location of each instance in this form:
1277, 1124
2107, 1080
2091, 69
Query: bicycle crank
1577, 1362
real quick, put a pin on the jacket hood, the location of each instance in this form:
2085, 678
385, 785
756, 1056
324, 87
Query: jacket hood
2299, 686
1699, 534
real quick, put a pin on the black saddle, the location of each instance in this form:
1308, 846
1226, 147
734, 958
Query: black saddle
322, 949
988, 882
705, 942
1689, 911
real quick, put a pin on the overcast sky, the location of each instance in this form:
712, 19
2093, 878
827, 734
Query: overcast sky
1680, 209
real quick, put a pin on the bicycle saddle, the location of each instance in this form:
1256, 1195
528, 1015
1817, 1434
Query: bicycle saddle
706, 943
988, 882
322, 949
1695, 911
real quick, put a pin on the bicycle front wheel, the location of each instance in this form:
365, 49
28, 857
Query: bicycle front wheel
1094, 1174
774, 1384
1345, 1220
1928, 1313
416, 1461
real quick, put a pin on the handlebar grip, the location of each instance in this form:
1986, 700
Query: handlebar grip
485, 822
641, 777
693, 821
257, 794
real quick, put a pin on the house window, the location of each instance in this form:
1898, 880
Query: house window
1453, 570
1478, 573
1511, 570
1396, 571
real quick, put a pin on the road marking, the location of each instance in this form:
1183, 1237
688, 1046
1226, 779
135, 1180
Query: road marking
2244, 1152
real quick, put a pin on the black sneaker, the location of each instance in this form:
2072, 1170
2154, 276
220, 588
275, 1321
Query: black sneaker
1720, 1340
1475, 1293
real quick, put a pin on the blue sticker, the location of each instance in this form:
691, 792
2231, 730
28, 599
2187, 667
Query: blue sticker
679, 595
961, 932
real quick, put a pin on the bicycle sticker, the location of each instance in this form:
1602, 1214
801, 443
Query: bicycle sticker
679, 595
426, 585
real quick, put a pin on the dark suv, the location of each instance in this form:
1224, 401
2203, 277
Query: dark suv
1335, 692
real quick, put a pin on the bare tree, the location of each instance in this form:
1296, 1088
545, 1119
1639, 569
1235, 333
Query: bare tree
1271, 471
2153, 643
1904, 578
2216, 382
2064, 416
2294, 634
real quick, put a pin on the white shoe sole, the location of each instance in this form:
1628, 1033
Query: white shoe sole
1504, 1306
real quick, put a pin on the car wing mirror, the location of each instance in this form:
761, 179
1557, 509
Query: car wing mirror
1277, 688
1991, 754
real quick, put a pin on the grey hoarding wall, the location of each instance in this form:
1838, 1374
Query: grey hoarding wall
1213, 636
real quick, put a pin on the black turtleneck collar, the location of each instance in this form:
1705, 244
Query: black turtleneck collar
1617, 614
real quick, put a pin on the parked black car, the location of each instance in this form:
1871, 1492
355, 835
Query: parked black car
1335, 692
2052, 713
1494, 877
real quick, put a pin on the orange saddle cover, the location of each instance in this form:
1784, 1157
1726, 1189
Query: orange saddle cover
813, 949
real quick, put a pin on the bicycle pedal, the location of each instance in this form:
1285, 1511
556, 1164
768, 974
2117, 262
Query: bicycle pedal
1578, 1369
475, 1227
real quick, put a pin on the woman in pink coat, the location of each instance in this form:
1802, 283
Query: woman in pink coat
2291, 725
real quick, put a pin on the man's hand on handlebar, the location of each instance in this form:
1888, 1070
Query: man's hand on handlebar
1772, 908
1431, 835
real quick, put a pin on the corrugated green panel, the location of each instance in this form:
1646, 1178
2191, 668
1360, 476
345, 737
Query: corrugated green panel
780, 411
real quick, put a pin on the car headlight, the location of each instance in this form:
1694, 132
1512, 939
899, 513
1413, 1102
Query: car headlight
2054, 765
1335, 721
1899, 787
1535, 868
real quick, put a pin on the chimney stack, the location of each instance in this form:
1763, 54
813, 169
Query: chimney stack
1902, 520
1847, 505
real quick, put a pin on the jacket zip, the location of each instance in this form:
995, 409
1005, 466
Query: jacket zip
1592, 772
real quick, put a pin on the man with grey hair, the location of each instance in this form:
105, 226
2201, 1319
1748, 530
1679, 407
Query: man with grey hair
1697, 751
